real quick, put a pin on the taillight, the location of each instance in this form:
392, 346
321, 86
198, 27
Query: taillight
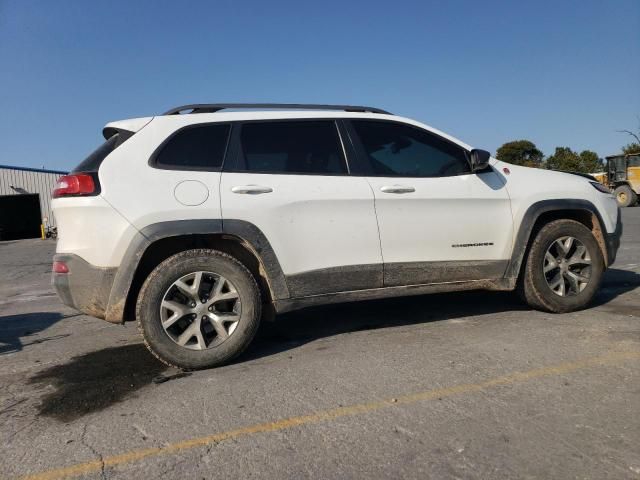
76, 185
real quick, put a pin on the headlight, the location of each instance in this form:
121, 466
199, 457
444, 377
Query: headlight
600, 187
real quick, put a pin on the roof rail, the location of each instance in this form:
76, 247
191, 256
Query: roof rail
215, 107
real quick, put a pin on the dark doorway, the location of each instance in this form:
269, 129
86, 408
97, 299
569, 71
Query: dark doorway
20, 216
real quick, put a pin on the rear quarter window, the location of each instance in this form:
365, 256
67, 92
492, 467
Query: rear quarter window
94, 160
197, 147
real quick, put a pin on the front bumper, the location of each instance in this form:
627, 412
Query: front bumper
612, 241
86, 287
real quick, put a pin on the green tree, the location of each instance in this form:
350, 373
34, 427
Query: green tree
520, 152
563, 159
590, 162
566, 159
631, 148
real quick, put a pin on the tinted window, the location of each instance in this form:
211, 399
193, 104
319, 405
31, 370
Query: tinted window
292, 147
402, 150
197, 147
634, 161
95, 158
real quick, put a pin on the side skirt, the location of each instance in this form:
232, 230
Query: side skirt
426, 273
287, 305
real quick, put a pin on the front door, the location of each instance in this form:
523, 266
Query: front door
438, 221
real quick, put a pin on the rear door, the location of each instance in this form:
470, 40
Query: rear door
290, 178
438, 221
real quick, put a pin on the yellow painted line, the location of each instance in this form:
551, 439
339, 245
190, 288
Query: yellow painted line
286, 423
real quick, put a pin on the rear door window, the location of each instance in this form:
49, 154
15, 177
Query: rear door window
293, 147
197, 147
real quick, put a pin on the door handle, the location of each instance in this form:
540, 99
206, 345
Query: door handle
251, 189
397, 189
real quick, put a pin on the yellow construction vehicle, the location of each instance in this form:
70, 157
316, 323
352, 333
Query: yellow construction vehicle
622, 176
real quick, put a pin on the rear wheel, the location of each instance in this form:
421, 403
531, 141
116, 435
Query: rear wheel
625, 196
563, 269
198, 309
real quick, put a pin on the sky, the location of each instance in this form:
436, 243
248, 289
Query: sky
559, 73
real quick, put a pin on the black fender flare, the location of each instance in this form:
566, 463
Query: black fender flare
246, 232
532, 215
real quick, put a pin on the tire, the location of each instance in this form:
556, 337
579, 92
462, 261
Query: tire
625, 196
168, 284
536, 285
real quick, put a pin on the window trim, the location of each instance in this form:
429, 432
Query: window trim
363, 157
359, 166
235, 148
153, 159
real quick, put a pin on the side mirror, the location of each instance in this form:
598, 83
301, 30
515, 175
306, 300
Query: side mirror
479, 159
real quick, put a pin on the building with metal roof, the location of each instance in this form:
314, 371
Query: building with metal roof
25, 200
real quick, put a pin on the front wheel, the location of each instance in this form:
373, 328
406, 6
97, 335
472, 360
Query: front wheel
563, 269
198, 309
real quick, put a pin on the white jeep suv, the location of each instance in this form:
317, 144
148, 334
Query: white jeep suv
202, 221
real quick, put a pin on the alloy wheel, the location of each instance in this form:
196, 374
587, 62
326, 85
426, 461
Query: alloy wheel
200, 310
567, 266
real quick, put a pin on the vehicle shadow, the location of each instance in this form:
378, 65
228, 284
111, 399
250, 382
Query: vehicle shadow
616, 282
15, 328
93, 381
297, 328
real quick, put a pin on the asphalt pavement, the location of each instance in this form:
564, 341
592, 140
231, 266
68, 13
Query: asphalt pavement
461, 385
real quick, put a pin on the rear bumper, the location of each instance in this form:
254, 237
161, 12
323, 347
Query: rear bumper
86, 287
612, 241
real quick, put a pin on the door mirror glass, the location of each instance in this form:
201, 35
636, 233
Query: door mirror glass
479, 159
